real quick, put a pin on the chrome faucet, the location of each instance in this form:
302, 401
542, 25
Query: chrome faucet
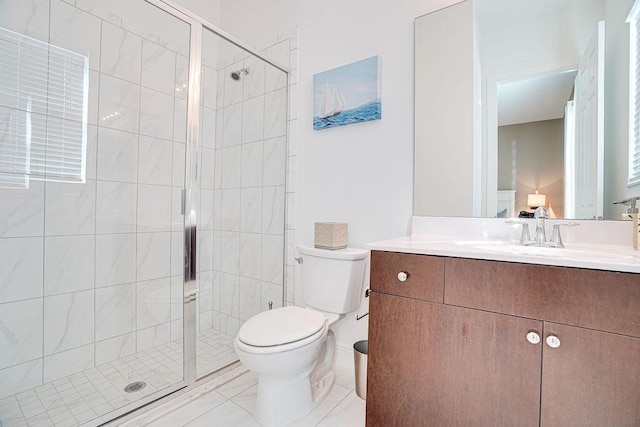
540, 215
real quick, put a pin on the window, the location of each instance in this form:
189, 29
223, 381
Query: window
634, 98
43, 112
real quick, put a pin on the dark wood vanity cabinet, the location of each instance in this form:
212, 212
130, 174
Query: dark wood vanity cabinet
466, 359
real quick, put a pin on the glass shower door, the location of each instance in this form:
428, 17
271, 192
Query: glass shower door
92, 272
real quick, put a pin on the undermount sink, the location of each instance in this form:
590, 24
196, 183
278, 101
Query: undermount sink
580, 254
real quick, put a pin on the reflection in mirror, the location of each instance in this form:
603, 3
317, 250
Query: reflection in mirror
518, 96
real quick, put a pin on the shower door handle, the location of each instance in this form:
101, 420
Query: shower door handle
190, 252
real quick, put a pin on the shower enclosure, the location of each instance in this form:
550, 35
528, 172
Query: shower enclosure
131, 279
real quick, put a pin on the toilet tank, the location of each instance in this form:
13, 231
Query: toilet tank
332, 281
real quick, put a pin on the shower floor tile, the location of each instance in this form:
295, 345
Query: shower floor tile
82, 397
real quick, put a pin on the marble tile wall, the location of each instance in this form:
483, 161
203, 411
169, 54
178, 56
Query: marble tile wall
92, 272
247, 141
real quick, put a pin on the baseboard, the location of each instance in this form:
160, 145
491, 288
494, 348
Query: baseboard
344, 355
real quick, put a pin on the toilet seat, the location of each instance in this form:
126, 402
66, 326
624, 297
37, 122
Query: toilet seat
281, 326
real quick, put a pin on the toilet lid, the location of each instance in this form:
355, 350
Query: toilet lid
280, 326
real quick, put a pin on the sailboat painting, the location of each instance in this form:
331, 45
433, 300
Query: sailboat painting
347, 94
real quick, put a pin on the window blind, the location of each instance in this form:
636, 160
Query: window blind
634, 99
43, 112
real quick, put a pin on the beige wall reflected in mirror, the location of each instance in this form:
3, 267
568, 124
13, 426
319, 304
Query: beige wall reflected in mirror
496, 104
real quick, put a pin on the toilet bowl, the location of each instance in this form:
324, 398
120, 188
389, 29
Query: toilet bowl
292, 349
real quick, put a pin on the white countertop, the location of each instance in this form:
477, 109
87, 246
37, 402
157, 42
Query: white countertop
581, 255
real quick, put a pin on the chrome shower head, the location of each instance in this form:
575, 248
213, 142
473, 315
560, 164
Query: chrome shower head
236, 75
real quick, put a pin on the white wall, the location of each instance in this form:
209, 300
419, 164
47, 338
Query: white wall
363, 173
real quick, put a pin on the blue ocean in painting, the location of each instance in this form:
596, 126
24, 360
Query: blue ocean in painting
363, 113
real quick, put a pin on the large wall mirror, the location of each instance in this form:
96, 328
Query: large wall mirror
519, 104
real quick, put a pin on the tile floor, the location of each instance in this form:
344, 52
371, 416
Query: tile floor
79, 398
232, 404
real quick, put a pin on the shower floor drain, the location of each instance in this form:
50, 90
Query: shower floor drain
136, 386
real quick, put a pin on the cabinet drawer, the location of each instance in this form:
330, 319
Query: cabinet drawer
425, 275
594, 299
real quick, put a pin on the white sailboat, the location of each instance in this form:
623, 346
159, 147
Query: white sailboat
332, 102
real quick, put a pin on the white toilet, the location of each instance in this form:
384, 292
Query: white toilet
292, 349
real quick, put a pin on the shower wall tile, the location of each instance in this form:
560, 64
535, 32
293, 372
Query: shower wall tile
253, 83
274, 161
272, 211
177, 330
289, 283
250, 298
232, 127
251, 210
154, 208
65, 201
208, 120
222, 75
251, 255
154, 163
20, 378
156, 114
115, 259
21, 275
117, 155
232, 88
68, 264
217, 169
22, 211
67, 363
229, 252
205, 320
293, 102
252, 164
292, 133
178, 164
153, 336
115, 348
210, 87
21, 340
182, 77
92, 152
230, 210
216, 290
207, 162
206, 209
116, 207
205, 256
118, 104
275, 117
275, 78
229, 295
291, 219
205, 297
180, 120
153, 303
153, 255
115, 311
121, 53
67, 23
231, 167
158, 67
93, 97
177, 253
177, 219
29, 18
292, 163
68, 321
177, 297
272, 259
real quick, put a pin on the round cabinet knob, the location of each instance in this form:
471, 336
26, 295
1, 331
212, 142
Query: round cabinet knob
553, 341
533, 337
403, 276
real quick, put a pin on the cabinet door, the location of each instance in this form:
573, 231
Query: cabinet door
591, 379
437, 365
